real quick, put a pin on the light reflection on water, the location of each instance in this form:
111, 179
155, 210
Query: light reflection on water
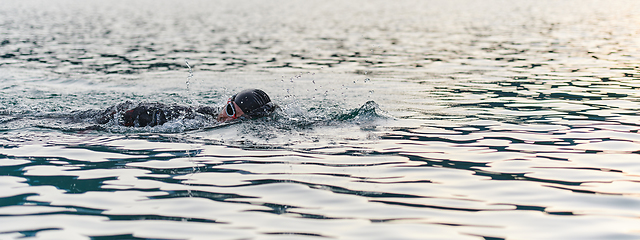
398, 120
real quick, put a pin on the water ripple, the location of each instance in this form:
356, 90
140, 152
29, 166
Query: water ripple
398, 120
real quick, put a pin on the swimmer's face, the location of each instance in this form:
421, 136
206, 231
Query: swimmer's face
230, 112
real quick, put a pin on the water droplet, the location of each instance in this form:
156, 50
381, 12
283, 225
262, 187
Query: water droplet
366, 80
188, 78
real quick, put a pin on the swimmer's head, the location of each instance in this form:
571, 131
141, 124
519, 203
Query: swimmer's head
249, 103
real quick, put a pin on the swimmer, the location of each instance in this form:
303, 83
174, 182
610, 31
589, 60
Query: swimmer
247, 104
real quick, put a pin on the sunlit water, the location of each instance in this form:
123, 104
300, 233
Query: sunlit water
397, 120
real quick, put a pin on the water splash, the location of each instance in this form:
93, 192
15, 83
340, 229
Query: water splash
364, 114
188, 82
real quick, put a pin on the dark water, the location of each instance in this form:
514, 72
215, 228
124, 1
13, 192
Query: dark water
397, 120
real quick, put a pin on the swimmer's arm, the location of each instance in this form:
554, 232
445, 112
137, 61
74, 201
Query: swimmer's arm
145, 116
213, 111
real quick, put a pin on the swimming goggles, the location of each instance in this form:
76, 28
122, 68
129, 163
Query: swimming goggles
230, 110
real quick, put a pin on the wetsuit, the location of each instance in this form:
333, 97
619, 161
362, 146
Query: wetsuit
152, 114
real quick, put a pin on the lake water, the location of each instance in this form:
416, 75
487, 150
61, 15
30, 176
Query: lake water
397, 120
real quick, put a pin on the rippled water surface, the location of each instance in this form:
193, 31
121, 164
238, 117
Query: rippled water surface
397, 120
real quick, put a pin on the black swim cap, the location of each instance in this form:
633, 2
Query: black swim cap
254, 103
